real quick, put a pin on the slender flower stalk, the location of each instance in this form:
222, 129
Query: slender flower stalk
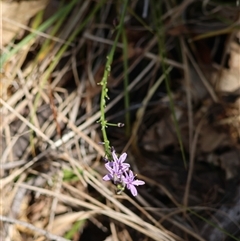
118, 170
103, 83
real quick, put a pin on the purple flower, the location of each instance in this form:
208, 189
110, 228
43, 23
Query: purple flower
113, 171
116, 168
128, 179
120, 160
120, 174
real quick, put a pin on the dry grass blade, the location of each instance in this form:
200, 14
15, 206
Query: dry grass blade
133, 222
27, 123
32, 227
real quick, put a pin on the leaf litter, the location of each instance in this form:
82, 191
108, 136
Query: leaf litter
51, 164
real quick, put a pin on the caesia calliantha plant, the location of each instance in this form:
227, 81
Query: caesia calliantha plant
121, 175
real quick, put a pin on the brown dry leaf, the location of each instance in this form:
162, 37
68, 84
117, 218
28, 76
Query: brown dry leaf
61, 208
163, 132
15, 13
211, 139
23, 217
229, 83
230, 162
4, 85
64, 222
230, 78
227, 161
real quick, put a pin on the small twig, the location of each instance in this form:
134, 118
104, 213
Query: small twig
11, 165
204, 80
31, 30
191, 164
31, 126
145, 8
32, 227
145, 53
190, 117
17, 172
141, 112
54, 110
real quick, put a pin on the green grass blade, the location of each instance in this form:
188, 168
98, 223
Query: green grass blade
126, 82
6, 56
157, 15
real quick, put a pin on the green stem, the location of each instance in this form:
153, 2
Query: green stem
161, 46
104, 80
126, 94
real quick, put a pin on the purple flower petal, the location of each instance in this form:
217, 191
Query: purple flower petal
114, 172
122, 158
133, 190
115, 158
108, 167
128, 179
107, 177
138, 182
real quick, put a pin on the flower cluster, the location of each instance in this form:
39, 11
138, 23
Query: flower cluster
121, 175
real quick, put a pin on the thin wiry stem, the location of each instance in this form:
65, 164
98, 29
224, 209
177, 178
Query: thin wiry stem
103, 83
